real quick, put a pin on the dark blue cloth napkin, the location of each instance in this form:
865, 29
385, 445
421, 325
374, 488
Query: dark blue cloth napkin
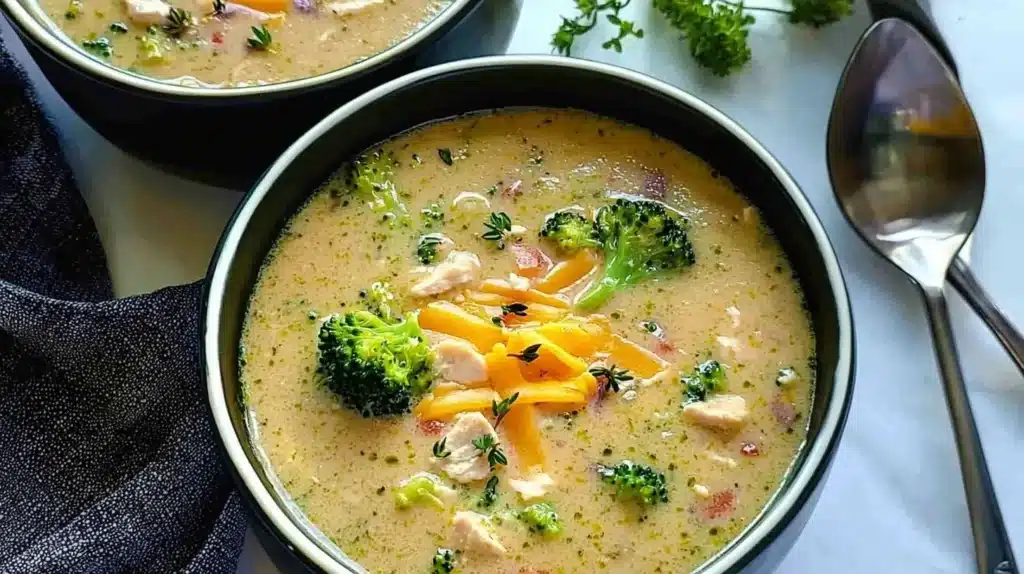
107, 457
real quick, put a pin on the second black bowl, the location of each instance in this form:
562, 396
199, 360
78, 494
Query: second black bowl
228, 136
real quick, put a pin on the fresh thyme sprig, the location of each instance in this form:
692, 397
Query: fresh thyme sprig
260, 39
498, 225
585, 20
178, 21
528, 355
440, 449
610, 377
500, 409
488, 445
490, 495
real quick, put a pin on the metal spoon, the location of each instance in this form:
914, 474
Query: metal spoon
908, 170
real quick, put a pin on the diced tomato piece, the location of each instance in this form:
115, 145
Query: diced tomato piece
217, 38
750, 449
784, 411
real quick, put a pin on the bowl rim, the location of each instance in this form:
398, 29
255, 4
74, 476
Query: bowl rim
780, 509
28, 22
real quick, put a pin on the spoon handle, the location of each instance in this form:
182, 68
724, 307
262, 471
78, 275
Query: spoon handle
963, 280
991, 544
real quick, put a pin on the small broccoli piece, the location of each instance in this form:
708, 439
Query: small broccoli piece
427, 249
641, 239
420, 489
372, 178
542, 519
708, 377
379, 300
443, 562
635, 481
376, 367
570, 230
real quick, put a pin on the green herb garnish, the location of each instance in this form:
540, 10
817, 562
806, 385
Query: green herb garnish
498, 225
611, 377
440, 450
446, 155
585, 20
528, 355
74, 9
488, 445
490, 495
517, 309
500, 409
178, 21
119, 28
426, 251
260, 39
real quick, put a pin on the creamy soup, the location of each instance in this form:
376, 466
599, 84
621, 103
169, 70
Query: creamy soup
653, 417
237, 42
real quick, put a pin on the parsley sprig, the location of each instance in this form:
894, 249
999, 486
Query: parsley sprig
715, 31
517, 309
585, 20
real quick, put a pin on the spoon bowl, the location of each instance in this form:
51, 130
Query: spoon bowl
905, 152
908, 170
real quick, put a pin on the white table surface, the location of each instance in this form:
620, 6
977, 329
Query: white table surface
894, 501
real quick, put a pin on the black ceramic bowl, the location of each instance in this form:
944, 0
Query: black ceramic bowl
228, 136
531, 81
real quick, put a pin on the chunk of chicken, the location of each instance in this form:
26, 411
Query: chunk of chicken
726, 412
466, 463
536, 486
148, 12
471, 534
458, 361
458, 268
351, 6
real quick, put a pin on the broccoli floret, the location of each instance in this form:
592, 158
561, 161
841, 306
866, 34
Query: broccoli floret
635, 481
376, 367
379, 300
570, 230
708, 377
542, 519
372, 177
641, 239
422, 488
443, 563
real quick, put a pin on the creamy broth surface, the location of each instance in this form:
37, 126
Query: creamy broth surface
738, 304
308, 37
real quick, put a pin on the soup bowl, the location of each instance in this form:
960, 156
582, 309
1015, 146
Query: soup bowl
516, 82
228, 135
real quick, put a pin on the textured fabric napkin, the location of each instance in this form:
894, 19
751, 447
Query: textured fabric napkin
109, 461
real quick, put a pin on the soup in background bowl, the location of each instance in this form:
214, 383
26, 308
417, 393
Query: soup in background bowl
526, 340
237, 43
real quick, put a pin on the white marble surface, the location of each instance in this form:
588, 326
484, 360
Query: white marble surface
893, 502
